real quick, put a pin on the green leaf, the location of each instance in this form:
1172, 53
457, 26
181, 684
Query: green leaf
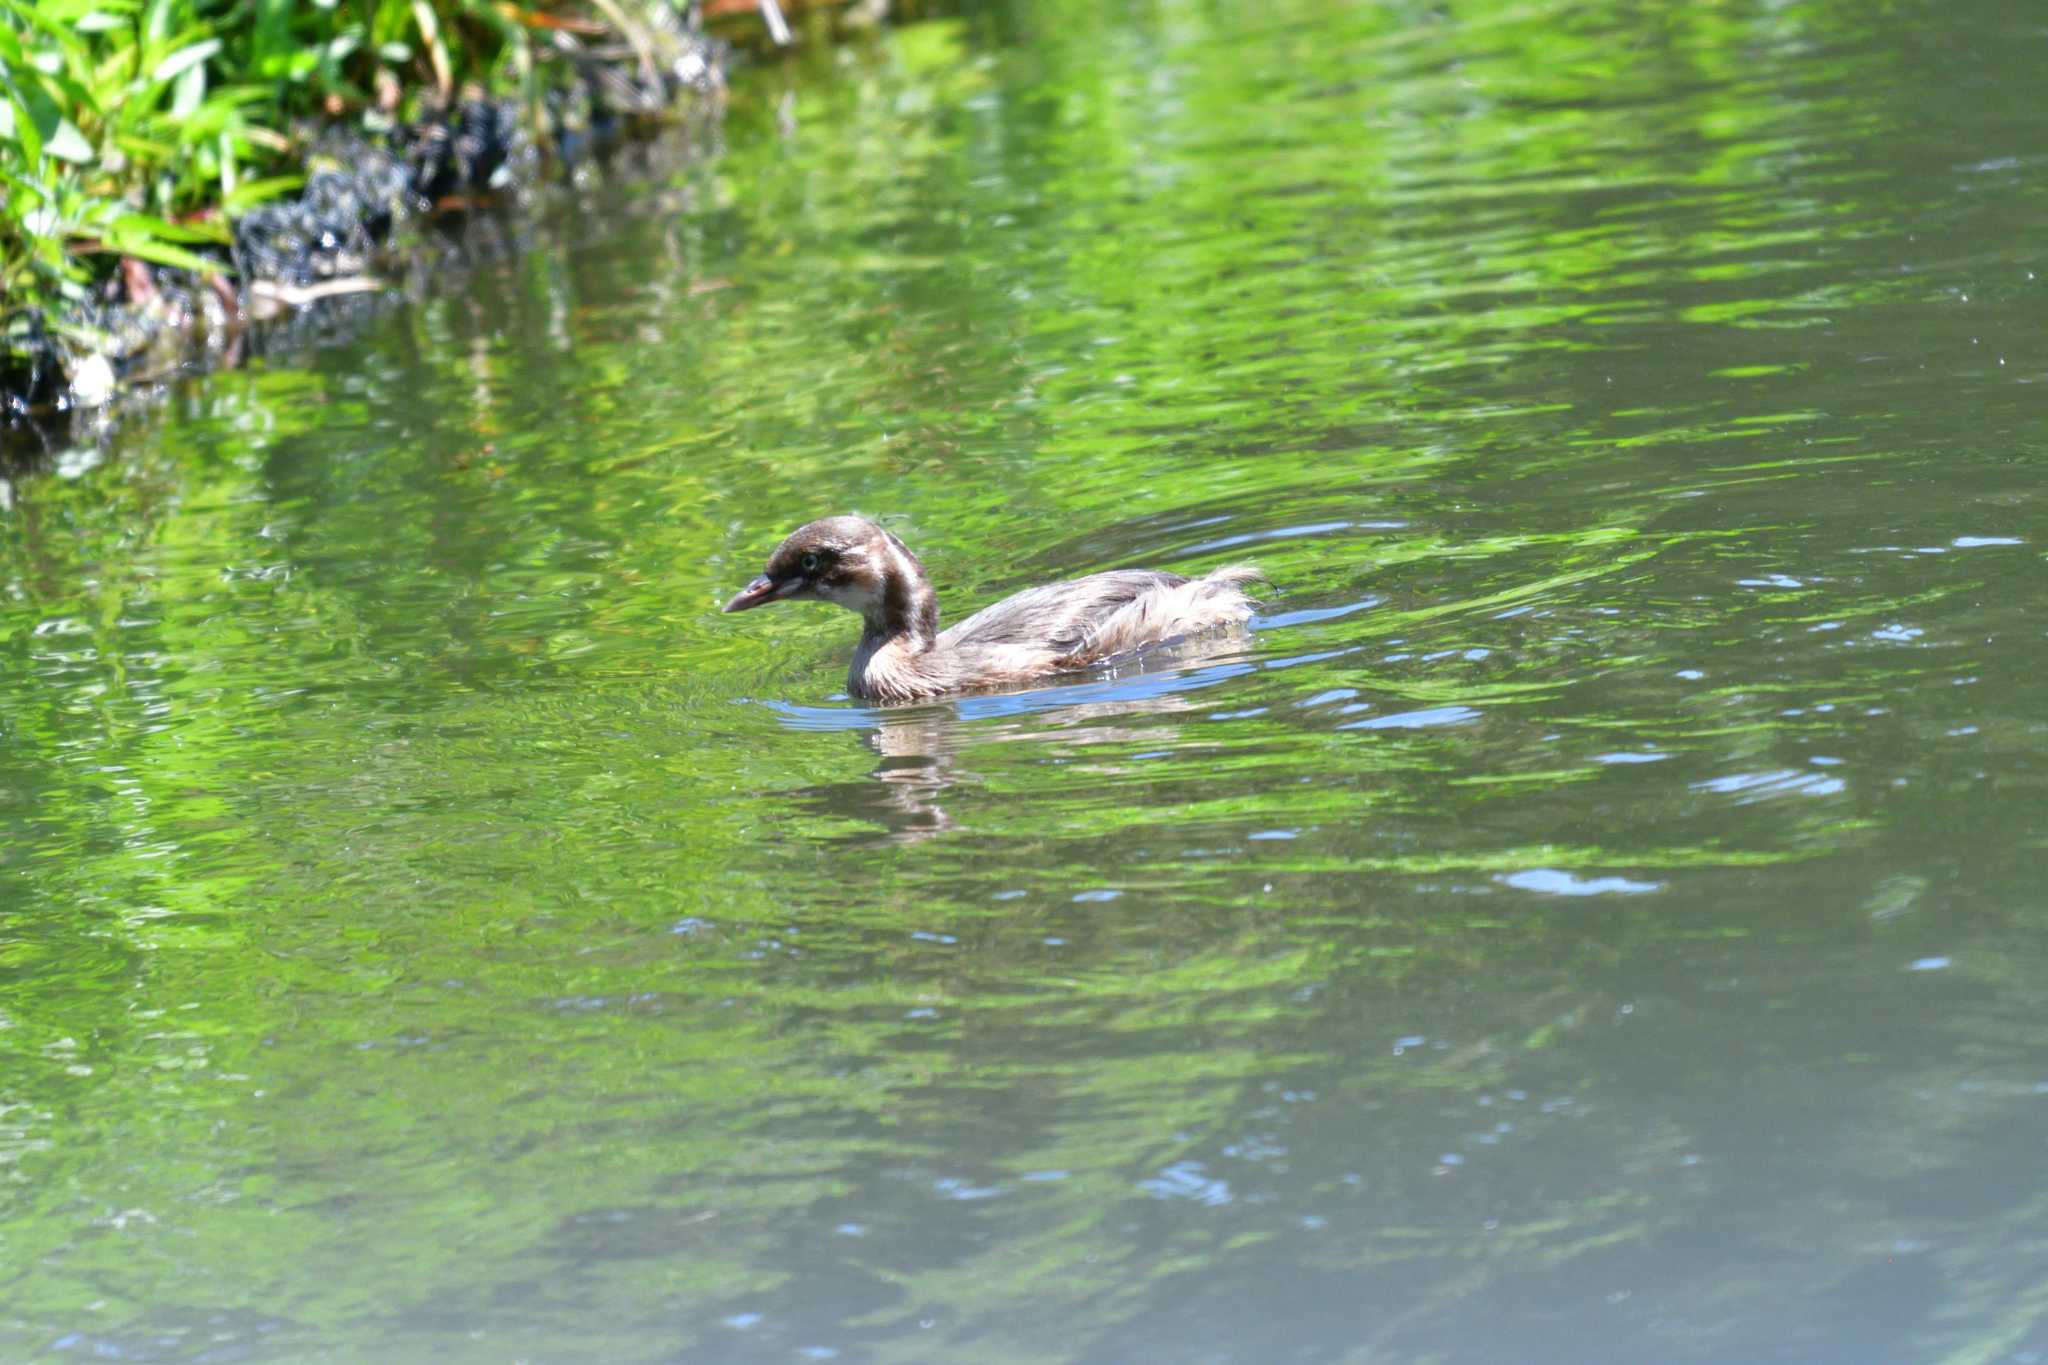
145, 150
156, 21
190, 92
130, 224
253, 192
71, 93
46, 231
204, 122
68, 144
184, 58
34, 16
162, 253
27, 187
67, 12
26, 132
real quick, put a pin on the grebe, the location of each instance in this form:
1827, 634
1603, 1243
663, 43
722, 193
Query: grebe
904, 656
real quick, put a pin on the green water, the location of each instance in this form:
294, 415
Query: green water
1597, 916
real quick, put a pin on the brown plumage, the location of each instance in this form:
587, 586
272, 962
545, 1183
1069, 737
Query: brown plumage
904, 656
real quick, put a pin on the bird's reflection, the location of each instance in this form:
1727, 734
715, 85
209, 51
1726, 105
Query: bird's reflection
1139, 701
921, 754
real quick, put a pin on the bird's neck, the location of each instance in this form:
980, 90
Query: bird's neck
906, 611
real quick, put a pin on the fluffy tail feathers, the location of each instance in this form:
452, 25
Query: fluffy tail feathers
1233, 576
1222, 596
1169, 611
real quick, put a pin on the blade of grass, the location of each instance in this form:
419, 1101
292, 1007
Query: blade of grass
437, 51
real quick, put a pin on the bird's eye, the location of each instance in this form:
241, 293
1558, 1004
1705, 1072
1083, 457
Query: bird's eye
810, 563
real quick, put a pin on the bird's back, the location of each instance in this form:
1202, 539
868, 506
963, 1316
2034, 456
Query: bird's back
1058, 617
1084, 619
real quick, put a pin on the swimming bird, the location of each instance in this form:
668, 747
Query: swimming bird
904, 656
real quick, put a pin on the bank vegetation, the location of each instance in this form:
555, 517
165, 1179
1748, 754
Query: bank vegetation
182, 166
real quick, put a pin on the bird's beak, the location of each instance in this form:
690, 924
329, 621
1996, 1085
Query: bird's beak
761, 590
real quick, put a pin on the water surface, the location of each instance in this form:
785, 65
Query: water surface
1595, 916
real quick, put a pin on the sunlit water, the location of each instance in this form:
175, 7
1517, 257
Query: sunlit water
1595, 916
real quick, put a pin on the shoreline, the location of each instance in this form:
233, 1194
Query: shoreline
380, 207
